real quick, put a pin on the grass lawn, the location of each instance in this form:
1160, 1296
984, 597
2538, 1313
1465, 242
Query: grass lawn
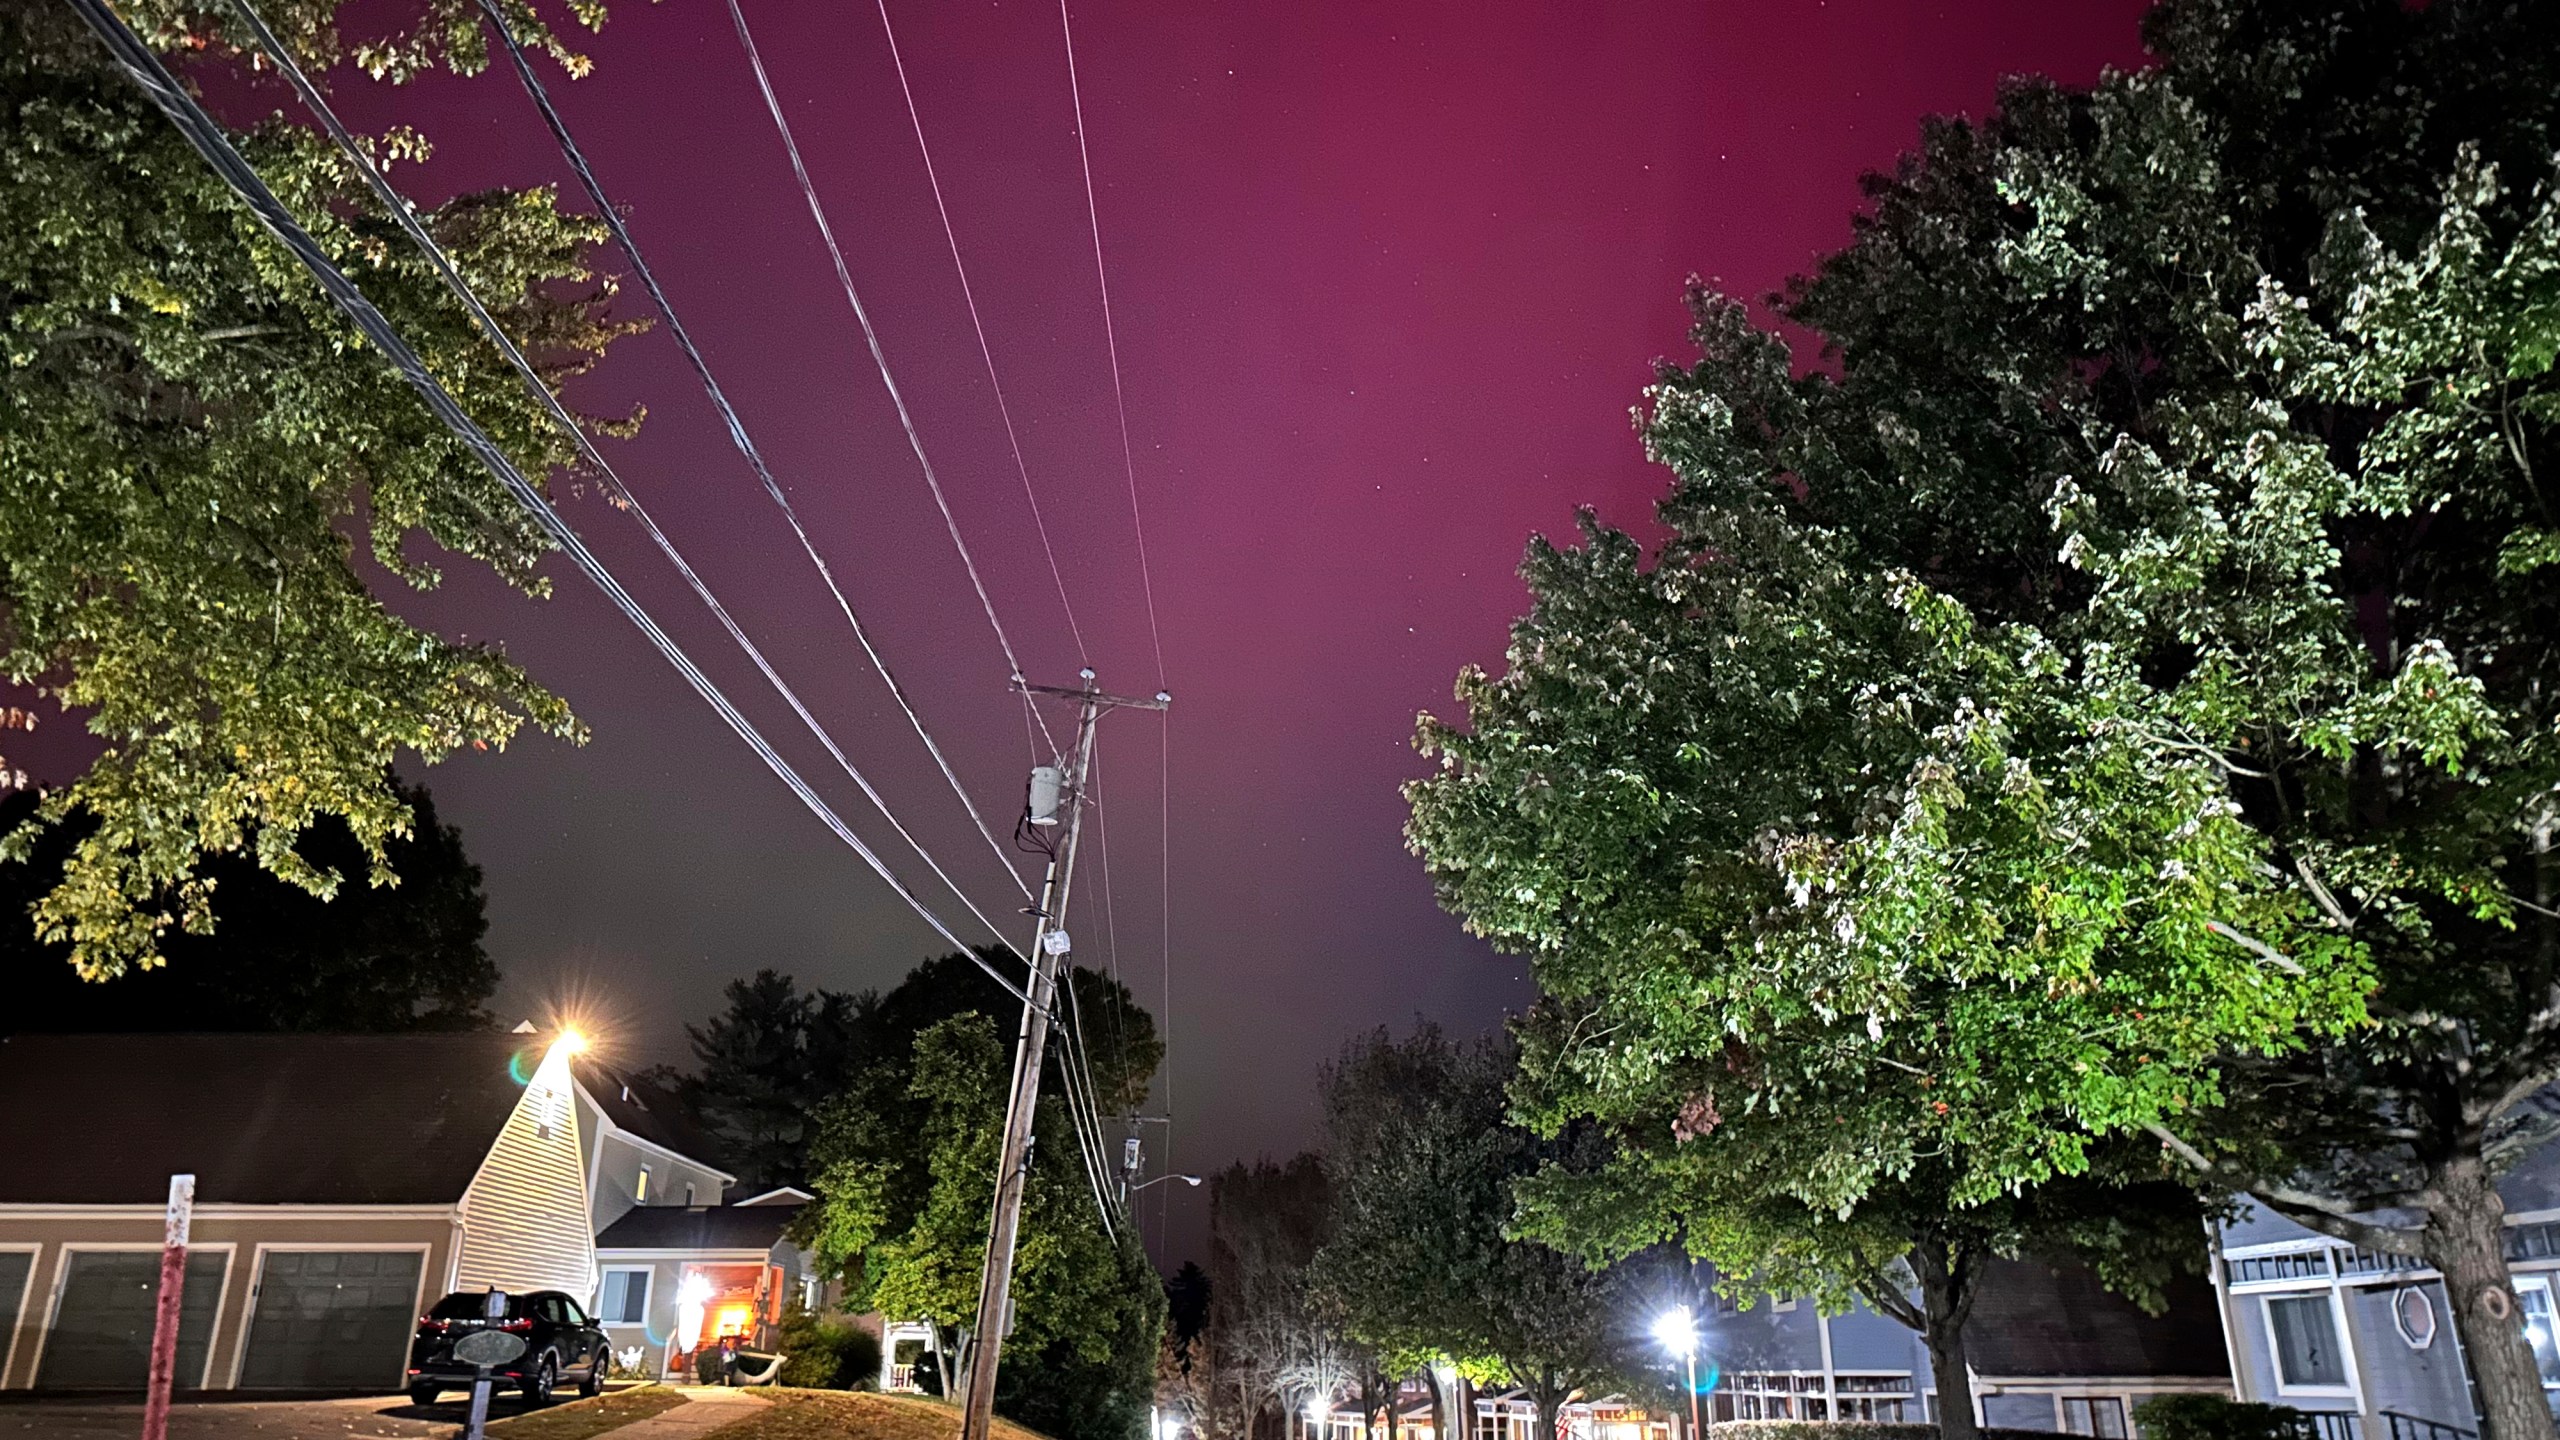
581, 1418
854, 1415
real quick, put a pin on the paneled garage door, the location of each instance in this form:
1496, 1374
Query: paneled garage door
101, 1334
332, 1320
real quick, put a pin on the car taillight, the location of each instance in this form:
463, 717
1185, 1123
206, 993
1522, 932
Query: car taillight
521, 1327
429, 1322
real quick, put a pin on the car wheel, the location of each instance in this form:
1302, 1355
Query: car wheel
423, 1394
538, 1385
593, 1385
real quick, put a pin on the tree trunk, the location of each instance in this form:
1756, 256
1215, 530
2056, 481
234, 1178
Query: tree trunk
2465, 1239
1440, 1408
1550, 1405
1946, 1273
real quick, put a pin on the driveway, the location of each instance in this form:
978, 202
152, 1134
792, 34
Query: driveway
368, 1417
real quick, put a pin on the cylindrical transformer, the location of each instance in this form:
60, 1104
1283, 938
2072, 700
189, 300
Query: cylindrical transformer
1046, 781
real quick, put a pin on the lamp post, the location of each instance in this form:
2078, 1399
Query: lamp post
1677, 1331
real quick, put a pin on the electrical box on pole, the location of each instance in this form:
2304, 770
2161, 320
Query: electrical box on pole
1063, 791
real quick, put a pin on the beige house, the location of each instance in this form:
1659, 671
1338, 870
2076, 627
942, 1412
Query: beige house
343, 1183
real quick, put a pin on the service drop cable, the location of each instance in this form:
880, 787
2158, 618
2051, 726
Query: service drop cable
738, 431
871, 336
209, 141
543, 394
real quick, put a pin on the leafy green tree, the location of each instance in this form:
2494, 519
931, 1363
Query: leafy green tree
191, 435
406, 956
2126, 657
903, 1161
1417, 1254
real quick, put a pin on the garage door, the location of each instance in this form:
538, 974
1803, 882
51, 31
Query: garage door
332, 1320
101, 1334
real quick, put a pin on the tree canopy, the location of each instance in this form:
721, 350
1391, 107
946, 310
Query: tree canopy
2110, 680
405, 956
192, 437
902, 1157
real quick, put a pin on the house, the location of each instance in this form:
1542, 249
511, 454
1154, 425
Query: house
675, 1277
342, 1183
2363, 1340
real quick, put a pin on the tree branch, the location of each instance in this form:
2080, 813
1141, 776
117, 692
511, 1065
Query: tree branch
2259, 948
2325, 1213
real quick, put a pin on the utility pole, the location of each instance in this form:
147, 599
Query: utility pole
1062, 787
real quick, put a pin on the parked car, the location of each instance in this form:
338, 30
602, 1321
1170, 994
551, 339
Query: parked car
560, 1344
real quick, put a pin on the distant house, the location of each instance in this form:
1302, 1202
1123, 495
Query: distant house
672, 1278
343, 1183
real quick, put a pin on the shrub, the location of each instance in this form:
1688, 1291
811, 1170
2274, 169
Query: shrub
2211, 1417
827, 1352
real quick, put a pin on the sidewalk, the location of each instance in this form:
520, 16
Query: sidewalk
706, 1408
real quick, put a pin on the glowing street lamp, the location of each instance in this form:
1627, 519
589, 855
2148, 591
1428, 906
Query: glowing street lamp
1676, 1330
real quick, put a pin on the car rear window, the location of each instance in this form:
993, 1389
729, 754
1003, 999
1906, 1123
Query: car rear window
472, 1305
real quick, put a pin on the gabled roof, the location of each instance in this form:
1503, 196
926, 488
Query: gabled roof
259, 1119
637, 1106
698, 1227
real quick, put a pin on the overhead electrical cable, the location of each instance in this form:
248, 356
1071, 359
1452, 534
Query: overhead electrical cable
871, 336
1111, 338
549, 399
208, 139
986, 352
1146, 573
738, 435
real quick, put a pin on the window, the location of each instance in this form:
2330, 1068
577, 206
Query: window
625, 1298
640, 1187
2533, 1297
569, 1308
2306, 1341
2098, 1415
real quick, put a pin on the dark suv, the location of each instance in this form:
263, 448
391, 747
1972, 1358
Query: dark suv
560, 1343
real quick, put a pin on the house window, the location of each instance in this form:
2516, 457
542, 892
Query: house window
2098, 1415
2533, 1297
2305, 1330
640, 1187
625, 1298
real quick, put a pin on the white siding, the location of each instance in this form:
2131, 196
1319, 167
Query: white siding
525, 1218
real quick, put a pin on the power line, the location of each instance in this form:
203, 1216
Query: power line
738, 431
871, 336
1111, 337
406, 217
207, 138
985, 352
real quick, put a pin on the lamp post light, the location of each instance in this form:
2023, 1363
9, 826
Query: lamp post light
1143, 1184
1676, 1330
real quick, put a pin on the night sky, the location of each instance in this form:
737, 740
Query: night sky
1387, 278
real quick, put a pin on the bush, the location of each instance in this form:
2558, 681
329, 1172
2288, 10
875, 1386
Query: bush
708, 1367
827, 1352
2211, 1417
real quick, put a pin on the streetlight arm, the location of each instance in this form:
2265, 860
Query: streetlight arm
1143, 1184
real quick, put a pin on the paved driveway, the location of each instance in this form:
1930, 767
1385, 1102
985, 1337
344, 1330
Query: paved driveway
370, 1417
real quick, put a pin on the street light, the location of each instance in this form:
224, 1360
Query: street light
1143, 1184
1676, 1330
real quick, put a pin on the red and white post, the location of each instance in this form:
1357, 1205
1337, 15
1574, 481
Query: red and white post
164, 1320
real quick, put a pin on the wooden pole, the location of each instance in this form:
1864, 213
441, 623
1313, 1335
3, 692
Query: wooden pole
164, 1318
